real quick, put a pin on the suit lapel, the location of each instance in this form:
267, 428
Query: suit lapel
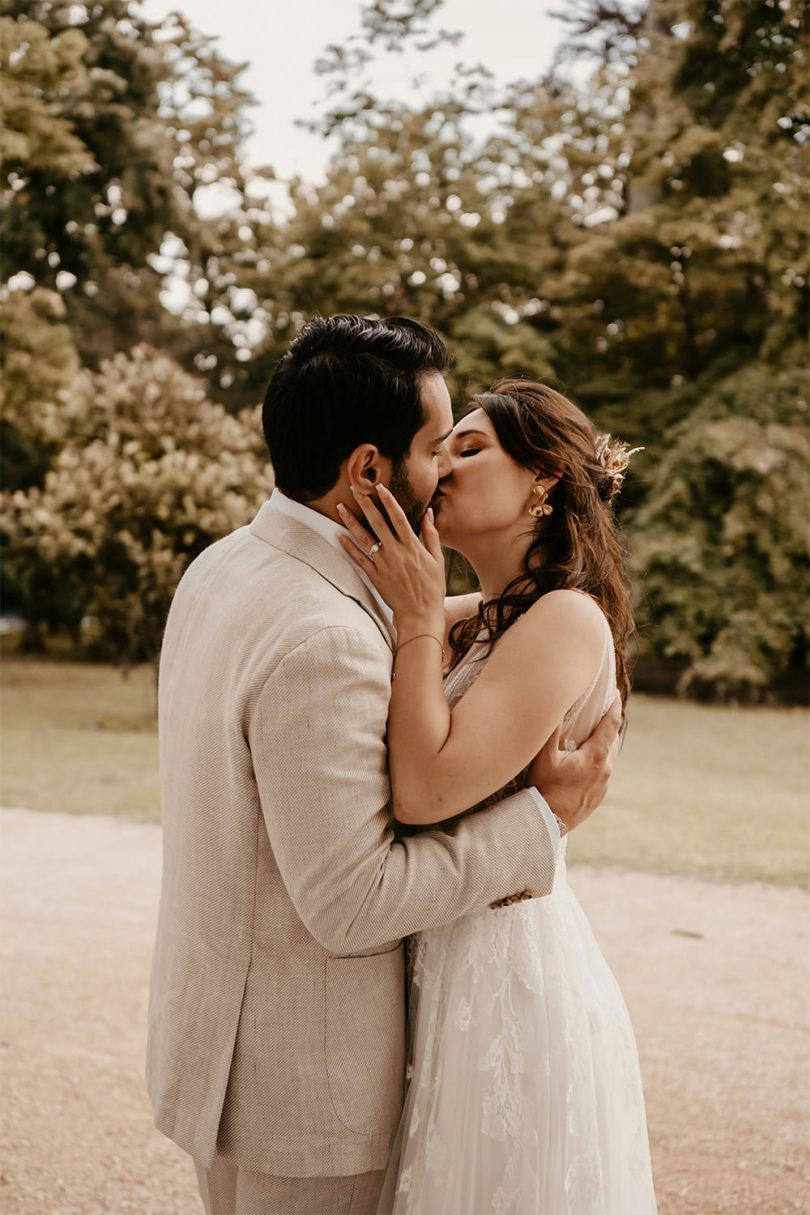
302, 543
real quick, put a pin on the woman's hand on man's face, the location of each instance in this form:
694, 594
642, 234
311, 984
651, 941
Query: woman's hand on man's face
408, 575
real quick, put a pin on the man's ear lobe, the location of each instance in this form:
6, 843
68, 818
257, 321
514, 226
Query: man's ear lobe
363, 468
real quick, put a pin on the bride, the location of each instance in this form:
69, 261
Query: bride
525, 1095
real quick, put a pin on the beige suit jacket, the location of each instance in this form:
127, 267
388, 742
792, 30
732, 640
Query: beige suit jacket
277, 1001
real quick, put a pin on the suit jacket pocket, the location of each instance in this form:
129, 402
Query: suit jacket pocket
365, 1040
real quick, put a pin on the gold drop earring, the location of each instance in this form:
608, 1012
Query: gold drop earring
542, 506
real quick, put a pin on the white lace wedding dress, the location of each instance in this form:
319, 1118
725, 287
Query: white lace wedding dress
524, 1092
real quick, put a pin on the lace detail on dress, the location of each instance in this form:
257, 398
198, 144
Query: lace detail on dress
525, 1096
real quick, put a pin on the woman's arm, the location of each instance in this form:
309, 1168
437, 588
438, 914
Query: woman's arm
458, 607
441, 762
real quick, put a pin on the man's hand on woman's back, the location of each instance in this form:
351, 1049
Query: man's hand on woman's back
575, 782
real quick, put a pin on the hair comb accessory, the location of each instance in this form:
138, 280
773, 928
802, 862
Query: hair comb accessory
614, 456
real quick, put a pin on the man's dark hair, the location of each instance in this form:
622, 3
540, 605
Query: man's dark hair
346, 380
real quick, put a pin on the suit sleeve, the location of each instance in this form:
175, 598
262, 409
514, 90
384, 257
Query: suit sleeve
317, 739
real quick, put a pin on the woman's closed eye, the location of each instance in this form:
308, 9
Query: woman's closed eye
470, 451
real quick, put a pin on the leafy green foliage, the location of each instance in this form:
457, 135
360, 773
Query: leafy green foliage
720, 545
636, 238
39, 363
114, 131
148, 474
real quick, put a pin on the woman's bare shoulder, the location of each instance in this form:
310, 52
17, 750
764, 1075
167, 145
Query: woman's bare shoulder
571, 615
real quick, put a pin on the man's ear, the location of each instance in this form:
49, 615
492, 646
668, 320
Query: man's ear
365, 468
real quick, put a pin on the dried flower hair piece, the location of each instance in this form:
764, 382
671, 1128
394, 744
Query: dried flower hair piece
614, 456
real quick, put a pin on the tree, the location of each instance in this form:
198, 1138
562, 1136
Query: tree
706, 260
422, 214
39, 364
720, 545
148, 474
620, 238
114, 129
635, 239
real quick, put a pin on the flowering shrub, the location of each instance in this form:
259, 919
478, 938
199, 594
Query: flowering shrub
148, 473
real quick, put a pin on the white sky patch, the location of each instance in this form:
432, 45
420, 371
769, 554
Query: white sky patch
210, 202
23, 281
176, 294
281, 43
602, 215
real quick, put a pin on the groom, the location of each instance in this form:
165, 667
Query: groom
276, 1052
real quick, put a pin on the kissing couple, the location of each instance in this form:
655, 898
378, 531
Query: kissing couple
372, 988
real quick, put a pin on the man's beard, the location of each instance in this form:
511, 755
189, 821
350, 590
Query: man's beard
402, 490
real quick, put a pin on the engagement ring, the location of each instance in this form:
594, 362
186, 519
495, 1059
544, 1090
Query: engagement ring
375, 548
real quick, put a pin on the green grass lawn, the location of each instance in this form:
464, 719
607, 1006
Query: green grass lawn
713, 792
78, 737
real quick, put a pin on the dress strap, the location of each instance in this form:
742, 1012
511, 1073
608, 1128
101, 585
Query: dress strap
589, 709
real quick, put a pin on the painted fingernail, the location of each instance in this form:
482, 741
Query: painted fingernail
341, 509
383, 489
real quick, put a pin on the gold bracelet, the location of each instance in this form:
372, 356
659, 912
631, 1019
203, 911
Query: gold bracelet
416, 638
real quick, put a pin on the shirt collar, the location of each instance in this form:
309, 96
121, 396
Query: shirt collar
329, 530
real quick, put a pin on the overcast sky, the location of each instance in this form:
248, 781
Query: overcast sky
281, 40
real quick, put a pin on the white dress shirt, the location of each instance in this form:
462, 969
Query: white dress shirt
330, 530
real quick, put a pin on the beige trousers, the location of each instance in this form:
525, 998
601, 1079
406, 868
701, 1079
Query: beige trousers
228, 1190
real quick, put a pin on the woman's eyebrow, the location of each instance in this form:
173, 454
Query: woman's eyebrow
463, 434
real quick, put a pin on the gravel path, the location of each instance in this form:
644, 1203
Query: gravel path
715, 977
